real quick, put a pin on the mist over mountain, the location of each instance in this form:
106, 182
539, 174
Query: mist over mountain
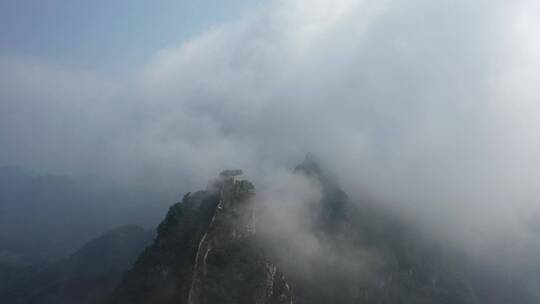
301, 239
305, 243
429, 106
423, 116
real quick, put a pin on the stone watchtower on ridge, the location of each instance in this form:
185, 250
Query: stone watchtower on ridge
225, 177
230, 173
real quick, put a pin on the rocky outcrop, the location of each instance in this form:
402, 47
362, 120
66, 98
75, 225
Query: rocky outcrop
207, 252
210, 250
229, 266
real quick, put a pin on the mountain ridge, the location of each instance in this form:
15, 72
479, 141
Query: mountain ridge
208, 260
210, 244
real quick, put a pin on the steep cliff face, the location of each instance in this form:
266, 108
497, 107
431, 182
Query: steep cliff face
207, 252
230, 267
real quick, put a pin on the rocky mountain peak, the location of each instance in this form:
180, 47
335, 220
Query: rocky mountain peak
206, 252
209, 250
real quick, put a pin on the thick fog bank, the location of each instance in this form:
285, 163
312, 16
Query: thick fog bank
431, 107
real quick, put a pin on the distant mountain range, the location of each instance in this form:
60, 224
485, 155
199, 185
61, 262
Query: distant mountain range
56, 214
87, 276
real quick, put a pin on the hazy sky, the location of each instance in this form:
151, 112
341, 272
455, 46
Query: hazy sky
431, 105
107, 34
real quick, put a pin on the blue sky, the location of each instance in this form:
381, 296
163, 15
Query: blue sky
106, 34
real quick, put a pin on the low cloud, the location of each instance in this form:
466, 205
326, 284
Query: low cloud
429, 106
